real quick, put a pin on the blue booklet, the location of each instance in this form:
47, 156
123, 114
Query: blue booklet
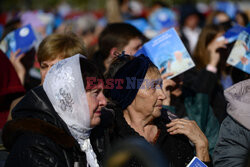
140, 23
22, 38
240, 55
196, 162
232, 34
167, 50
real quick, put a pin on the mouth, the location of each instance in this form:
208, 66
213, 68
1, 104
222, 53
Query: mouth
98, 112
159, 106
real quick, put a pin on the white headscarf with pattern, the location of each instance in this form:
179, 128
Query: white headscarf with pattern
64, 87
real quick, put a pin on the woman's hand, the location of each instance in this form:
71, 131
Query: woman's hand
195, 135
15, 59
212, 47
165, 84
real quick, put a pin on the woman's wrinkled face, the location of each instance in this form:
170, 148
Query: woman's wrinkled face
96, 100
45, 66
149, 98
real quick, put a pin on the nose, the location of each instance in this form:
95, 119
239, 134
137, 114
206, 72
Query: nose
162, 96
102, 100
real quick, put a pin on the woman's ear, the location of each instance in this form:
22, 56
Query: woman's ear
113, 52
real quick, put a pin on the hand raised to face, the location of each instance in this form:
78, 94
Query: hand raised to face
212, 49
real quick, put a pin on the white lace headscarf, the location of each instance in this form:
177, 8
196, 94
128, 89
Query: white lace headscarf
64, 87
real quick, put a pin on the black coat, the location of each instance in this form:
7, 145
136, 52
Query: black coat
176, 148
37, 136
208, 83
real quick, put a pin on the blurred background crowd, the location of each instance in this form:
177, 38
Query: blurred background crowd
198, 24
88, 18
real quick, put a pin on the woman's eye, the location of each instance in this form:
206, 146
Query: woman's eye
156, 85
153, 86
160, 85
43, 66
96, 92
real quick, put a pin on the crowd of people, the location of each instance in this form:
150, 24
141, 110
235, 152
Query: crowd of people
79, 91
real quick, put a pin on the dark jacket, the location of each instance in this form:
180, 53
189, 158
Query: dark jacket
37, 136
206, 82
203, 101
233, 146
176, 148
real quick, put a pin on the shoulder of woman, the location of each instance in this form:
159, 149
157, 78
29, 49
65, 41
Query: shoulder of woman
35, 130
35, 150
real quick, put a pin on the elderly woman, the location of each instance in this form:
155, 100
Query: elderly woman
138, 100
52, 123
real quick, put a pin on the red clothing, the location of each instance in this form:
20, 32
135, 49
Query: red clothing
10, 87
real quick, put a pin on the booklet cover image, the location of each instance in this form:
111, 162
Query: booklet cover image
168, 51
240, 54
23, 38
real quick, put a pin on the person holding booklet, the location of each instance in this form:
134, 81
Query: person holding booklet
197, 94
19, 46
192, 100
211, 68
138, 112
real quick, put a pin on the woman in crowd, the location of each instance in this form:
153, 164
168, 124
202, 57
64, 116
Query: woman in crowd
194, 95
57, 47
211, 52
214, 75
52, 123
52, 49
138, 101
211, 68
